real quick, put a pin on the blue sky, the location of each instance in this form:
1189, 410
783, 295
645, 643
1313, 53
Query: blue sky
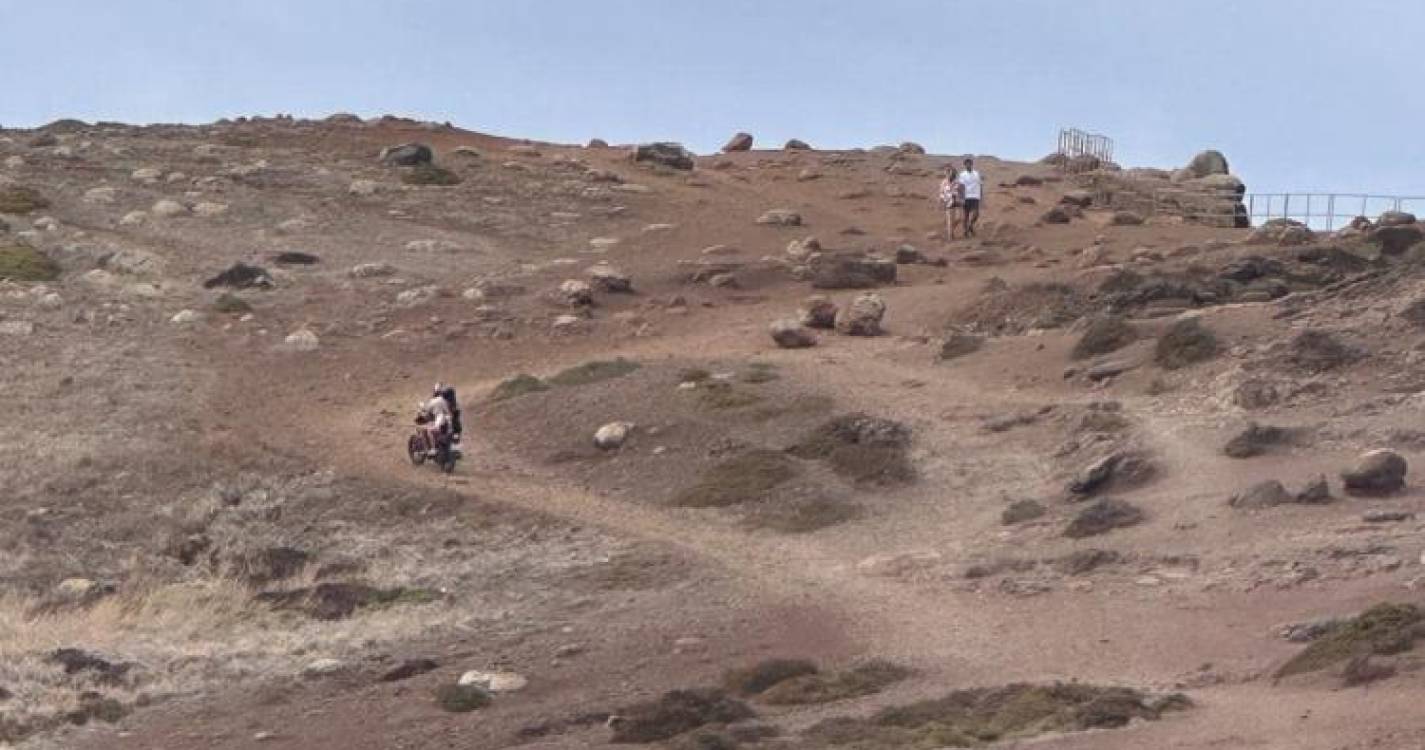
1300, 94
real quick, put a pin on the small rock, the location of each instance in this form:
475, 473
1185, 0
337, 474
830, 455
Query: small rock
907, 255
418, 296
76, 588
208, 209
495, 682
133, 219
568, 650
739, 142
186, 317
780, 217
804, 248
671, 155
372, 270
789, 333
146, 175
101, 195
1267, 494
363, 187
1387, 516
408, 669
302, 340
169, 208
612, 435
576, 293
957, 345
407, 155
610, 279
322, 667
817, 311
796, 145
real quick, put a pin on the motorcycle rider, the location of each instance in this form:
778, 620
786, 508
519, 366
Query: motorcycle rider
434, 416
447, 392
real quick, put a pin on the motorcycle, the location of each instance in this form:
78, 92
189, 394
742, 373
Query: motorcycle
418, 447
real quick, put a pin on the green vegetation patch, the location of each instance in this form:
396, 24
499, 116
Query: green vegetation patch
980, 716
518, 385
861, 448
676, 712
593, 372
825, 687
723, 397
765, 674
744, 478
459, 699
231, 304
21, 199
1382, 630
24, 263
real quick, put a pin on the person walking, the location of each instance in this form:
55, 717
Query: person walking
952, 199
973, 187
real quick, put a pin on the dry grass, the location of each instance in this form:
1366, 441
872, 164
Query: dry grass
593, 372
23, 263
21, 199
1187, 342
518, 385
799, 515
826, 687
863, 449
766, 673
1382, 630
676, 712
430, 174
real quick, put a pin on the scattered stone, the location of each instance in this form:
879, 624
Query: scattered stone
609, 279
720, 250
1387, 516
76, 589
1375, 472
1397, 239
103, 195
1315, 351
417, 296
671, 155
1267, 494
790, 334
147, 175
851, 272
1126, 219
1254, 440
1311, 630
817, 311
495, 682
803, 249
1079, 198
363, 187
372, 270
295, 258
567, 323
1084, 561
186, 317
302, 340
169, 208
1056, 215
957, 345
739, 142
612, 435
863, 316
1395, 219
1255, 394
133, 219
808, 174
1102, 517
576, 293
911, 147
725, 280
407, 155
780, 217
208, 209
461, 698
796, 145
323, 667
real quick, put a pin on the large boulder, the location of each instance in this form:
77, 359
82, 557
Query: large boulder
1395, 239
1102, 517
739, 142
407, 155
1080, 198
671, 155
797, 145
1208, 163
1395, 219
1267, 494
1375, 472
863, 316
789, 333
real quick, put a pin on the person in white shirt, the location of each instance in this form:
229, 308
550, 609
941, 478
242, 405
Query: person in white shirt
952, 198
973, 186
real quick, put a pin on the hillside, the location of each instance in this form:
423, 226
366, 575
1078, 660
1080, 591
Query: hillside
1121, 451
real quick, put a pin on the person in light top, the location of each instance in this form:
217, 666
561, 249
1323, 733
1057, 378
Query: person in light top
952, 199
973, 186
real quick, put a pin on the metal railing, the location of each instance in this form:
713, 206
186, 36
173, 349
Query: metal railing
1081, 150
1327, 211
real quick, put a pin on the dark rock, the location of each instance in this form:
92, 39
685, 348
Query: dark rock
1315, 351
1255, 394
1079, 198
671, 155
1083, 561
407, 155
77, 661
1254, 440
739, 142
1021, 511
908, 255
240, 276
957, 345
408, 669
796, 145
911, 147
294, 258
863, 316
1102, 335
1102, 517
1123, 470
1387, 516
1316, 492
789, 333
1208, 163
818, 312
1267, 494
1126, 219
1395, 240
1376, 472
1056, 215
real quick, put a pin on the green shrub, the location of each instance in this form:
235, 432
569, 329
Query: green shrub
594, 371
24, 263
518, 385
20, 199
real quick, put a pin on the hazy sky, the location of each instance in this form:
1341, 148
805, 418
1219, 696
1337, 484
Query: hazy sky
1300, 94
